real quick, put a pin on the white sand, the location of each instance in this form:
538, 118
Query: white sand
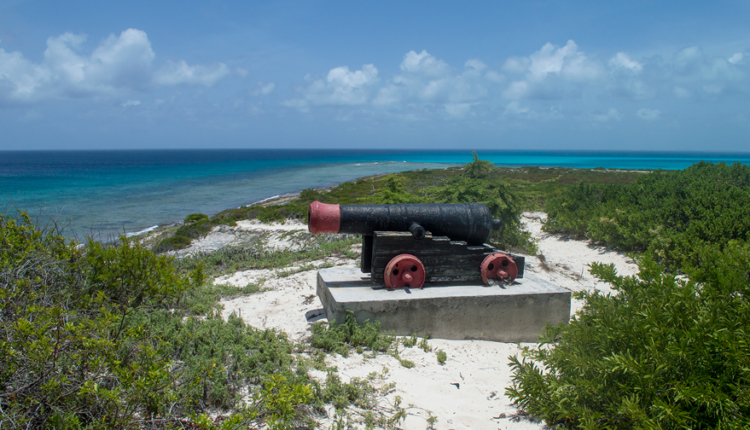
276, 235
469, 390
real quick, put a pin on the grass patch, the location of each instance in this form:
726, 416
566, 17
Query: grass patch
256, 256
342, 338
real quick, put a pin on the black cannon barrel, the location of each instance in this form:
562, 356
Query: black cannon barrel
469, 222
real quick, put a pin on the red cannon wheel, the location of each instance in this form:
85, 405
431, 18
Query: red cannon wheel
498, 266
404, 270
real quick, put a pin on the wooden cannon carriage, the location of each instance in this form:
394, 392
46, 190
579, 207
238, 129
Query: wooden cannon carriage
408, 245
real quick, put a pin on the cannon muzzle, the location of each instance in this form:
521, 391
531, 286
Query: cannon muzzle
468, 222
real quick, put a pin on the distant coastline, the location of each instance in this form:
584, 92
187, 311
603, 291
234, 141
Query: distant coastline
106, 193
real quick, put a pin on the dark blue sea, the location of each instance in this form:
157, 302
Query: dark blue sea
106, 193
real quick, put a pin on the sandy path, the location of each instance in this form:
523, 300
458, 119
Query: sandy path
469, 390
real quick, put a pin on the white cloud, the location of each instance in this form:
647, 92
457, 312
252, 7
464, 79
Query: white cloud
514, 108
736, 58
611, 115
681, 93
648, 114
429, 80
475, 64
458, 110
124, 60
299, 104
265, 89
341, 77
566, 61
241, 72
131, 103
387, 96
117, 66
341, 87
516, 90
182, 73
516, 64
551, 83
552, 72
621, 60
425, 64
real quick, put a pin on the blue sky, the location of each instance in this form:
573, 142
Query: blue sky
636, 75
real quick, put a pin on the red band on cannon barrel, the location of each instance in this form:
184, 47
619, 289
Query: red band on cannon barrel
324, 218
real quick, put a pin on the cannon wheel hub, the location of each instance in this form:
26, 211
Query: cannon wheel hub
404, 270
498, 267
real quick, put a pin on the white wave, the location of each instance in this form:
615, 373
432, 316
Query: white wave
142, 231
277, 196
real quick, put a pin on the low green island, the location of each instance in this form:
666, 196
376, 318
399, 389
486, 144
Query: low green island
123, 335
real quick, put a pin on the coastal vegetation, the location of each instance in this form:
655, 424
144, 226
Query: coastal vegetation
114, 335
506, 191
670, 349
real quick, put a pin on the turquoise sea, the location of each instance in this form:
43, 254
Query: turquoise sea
106, 193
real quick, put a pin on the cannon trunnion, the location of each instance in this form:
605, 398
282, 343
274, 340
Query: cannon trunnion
407, 245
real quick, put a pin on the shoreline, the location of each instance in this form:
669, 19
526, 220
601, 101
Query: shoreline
92, 199
280, 199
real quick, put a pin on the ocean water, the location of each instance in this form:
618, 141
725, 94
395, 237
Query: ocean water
106, 193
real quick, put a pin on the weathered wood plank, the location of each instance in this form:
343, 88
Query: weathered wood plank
444, 260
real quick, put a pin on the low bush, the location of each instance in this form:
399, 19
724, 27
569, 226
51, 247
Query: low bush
661, 353
113, 336
72, 352
669, 214
340, 338
196, 217
475, 187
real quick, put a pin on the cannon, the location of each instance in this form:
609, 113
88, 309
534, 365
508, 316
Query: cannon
408, 245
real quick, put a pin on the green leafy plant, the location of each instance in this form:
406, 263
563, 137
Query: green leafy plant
196, 217
441, 357
409, 341
280, 399
424, 344
499, 197
669, 214
661, 353
340, 338
109, 336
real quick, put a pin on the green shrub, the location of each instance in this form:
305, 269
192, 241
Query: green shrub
71, 354
196, 217
340, 338
661, 353
280, 399
669, 214
113, 336
103, 336
498, 195
392, 193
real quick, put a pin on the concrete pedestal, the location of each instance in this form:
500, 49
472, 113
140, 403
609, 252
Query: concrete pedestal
515, 313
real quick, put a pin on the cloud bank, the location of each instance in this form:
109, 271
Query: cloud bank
118, 65
556, 82
537, 86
